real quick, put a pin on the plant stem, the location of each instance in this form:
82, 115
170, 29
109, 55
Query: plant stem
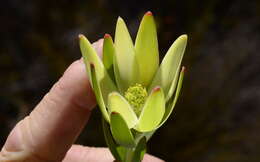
129, 155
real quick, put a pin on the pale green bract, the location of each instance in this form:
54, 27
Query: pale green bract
135, 94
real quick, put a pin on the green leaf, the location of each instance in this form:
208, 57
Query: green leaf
119, 104
97, 91
147, 135
125, 64
173, 85
152, 112
108, 55
170, 108
139, 151
117, 151
170, 65
146, 47
90, 56
108, 51
120, 130
86, 50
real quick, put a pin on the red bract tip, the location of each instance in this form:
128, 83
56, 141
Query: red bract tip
149, 13
92, 66
114, 113
157, 88
183, 69
107, 36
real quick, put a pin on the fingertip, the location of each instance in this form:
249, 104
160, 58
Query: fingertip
76, 84
150, 158
98, 46
78, 153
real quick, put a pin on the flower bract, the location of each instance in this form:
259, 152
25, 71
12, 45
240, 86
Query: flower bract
135, 93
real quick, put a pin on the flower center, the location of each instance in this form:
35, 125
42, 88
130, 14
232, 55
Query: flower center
136, 96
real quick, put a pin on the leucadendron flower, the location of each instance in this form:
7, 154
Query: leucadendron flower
135, 94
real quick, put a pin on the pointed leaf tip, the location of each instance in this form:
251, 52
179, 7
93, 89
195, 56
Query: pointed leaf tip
167, 74
120, 19
184, 37
152, 112
146, 47
149, 13
98, 76
80, 36
174, 83
107, 36
92, 66
170, 107
125, 64
114, 112
108, 54
156, 89
183, 69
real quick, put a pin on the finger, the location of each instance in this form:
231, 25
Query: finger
150, 158
98, 45
51, 128
79, 153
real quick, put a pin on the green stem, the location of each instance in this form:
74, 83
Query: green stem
129, 155
121, 153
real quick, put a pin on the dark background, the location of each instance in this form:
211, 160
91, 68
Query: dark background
217, 118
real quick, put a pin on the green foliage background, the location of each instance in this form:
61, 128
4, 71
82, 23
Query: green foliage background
217, 118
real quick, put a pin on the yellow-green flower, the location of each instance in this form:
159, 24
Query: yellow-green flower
135, 95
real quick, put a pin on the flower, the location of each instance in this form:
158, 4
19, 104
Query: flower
135, 94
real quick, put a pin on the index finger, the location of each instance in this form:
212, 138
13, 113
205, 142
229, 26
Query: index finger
52, 127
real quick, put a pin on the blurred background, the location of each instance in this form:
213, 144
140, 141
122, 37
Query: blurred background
217, 118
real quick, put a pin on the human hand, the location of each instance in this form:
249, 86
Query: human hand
47, 134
